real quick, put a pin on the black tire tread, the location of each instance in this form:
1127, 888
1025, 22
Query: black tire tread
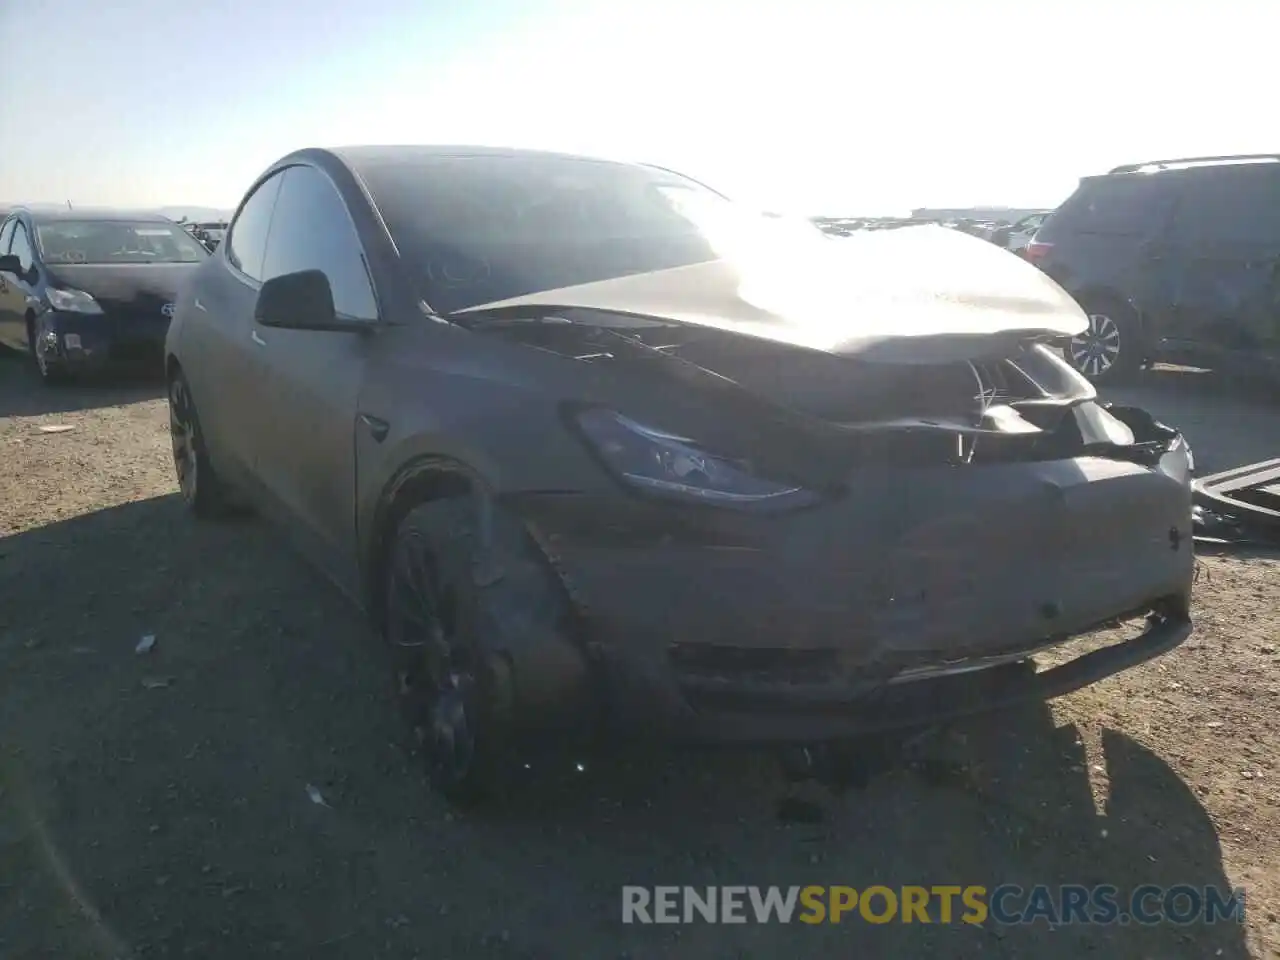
212, 500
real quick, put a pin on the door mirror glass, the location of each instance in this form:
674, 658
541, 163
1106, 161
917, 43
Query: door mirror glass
9, 263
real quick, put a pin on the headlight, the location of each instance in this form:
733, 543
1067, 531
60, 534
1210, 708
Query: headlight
668, 465
73, 301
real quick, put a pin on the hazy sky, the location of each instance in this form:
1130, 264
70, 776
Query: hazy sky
813, 106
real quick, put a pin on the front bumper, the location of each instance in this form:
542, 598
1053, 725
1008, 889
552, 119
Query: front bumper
78, 342
858, 616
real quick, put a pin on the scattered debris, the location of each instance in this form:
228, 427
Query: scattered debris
1238, 507
315, 795
1214, 529
157, 683
146, 644
57, 428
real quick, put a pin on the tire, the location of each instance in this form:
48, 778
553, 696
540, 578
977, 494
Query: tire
450, 631
51, 375
202, 489
1113, 349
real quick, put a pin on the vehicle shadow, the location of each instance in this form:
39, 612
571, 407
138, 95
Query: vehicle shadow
22, 395
243, 788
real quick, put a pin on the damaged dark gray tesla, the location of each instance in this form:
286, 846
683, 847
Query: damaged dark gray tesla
600, 450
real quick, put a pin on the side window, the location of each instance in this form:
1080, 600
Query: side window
249, 230
1239, 205
21, 246
6, 234
312, 230
1125, 204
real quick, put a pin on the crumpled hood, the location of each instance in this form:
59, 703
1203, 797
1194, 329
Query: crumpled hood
914, 295
124, 283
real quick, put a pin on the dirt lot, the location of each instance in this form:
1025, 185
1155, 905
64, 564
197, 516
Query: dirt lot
156, 804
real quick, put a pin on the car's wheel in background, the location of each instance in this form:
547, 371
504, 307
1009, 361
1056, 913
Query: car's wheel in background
1112, 349
50, 373
449, 626
202, 489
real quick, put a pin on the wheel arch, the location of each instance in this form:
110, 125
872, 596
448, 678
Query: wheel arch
546, 671
1100, 293
420, 480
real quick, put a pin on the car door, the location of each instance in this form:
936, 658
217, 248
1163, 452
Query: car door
11, 311
217, 347
19, 287
312, 378
1225, 244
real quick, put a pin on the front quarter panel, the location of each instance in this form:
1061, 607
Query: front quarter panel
183, 305
489, 406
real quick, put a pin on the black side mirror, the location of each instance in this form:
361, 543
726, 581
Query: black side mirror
9, 263
301, 301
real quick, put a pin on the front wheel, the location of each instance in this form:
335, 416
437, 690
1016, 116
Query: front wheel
1111, 348
50, 372
452, 625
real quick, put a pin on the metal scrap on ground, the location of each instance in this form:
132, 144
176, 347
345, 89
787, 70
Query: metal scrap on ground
1240, 506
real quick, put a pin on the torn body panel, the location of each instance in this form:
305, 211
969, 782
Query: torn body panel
819, 415
902, 574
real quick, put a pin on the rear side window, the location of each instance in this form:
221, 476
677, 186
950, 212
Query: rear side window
1123, 205
311, 230
248, 242
1231, 205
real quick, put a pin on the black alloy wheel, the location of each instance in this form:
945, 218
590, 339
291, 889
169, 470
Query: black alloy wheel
460, 611
444, 683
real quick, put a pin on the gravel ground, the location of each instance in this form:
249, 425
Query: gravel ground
156, 804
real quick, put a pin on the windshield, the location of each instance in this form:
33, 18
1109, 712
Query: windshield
481, 229
117, 241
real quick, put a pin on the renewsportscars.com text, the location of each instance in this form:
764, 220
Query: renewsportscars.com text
1004, 904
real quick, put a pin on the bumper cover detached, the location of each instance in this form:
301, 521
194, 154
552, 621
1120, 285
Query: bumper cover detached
87, 343
919, 596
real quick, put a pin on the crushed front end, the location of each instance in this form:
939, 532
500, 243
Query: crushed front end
906, 538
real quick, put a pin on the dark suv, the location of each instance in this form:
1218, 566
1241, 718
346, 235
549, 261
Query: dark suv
1173, 260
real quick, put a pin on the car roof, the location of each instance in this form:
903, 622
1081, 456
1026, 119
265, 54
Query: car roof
1188, 164
363, 157
97, 213
357, 156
